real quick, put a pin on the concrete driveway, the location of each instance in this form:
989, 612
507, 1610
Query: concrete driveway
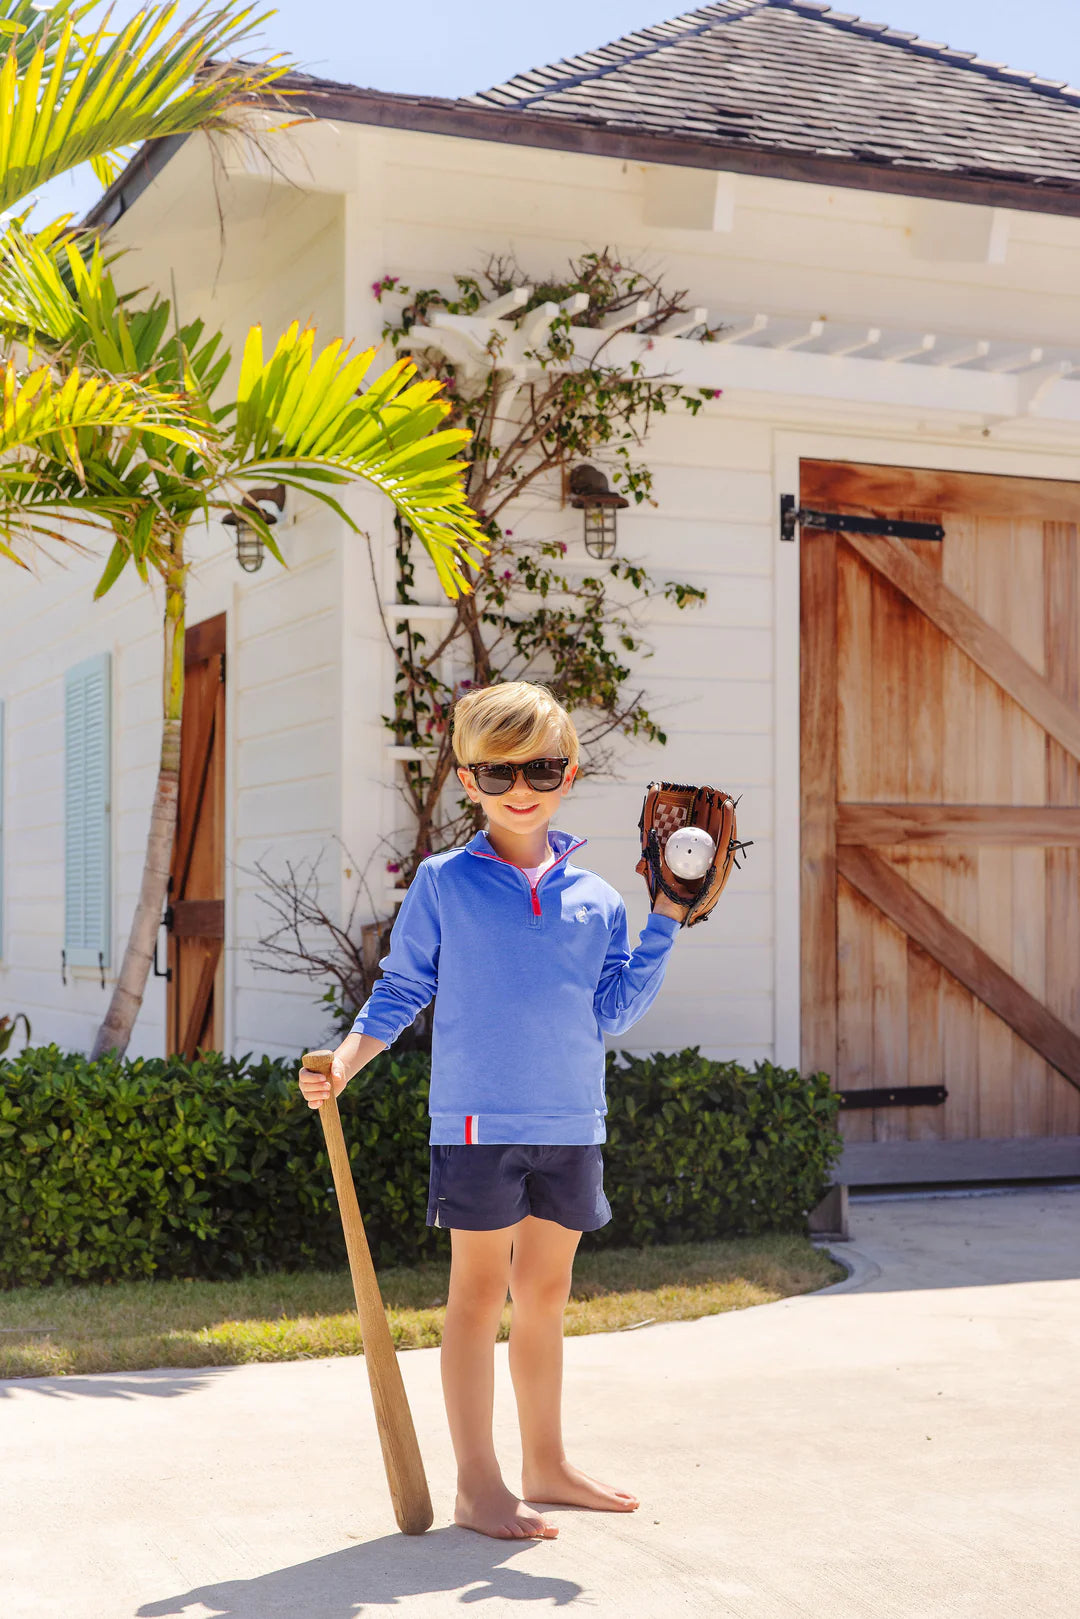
905, 1446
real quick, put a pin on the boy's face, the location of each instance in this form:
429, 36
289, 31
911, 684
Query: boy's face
520, 808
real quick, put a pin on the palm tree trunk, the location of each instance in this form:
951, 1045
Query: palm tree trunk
127, 996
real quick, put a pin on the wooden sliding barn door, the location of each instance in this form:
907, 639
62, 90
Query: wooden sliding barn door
941, 821
196, 913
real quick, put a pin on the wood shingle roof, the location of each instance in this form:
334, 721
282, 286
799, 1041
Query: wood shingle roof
796, 76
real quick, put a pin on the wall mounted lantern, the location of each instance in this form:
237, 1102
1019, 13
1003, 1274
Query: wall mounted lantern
589, 493
249, 543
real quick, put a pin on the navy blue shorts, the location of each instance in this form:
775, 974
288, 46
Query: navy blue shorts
485, 1186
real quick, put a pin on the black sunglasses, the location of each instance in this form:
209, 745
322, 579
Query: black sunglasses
542, 775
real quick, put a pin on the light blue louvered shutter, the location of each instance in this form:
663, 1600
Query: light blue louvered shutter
87, 749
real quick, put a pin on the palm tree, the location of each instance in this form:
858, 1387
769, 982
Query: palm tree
298, 418
111, 418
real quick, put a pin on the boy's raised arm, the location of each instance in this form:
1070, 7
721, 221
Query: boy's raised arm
630, 980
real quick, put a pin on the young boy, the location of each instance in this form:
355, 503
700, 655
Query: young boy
530, 957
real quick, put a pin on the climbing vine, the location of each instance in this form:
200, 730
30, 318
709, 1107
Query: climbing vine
531, 614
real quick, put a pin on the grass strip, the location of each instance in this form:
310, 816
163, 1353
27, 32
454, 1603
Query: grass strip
134, 1326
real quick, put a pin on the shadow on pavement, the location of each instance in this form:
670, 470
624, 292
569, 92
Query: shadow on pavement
163, 1383
343, 1585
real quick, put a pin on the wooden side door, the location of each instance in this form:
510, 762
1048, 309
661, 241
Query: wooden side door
940, 716
196, 911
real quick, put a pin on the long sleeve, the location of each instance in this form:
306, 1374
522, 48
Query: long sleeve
630, 982
410, 971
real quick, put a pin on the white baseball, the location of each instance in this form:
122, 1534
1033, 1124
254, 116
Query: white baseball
689, 852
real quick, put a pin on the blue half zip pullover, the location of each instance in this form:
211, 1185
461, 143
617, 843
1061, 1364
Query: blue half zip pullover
527, 980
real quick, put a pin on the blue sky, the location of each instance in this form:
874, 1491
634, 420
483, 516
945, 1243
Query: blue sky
436, 48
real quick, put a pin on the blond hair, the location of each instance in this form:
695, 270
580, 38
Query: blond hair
512, 718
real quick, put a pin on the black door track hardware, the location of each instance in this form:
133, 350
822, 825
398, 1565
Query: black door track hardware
895, 1096
792, 515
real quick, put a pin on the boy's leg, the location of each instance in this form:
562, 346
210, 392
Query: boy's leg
540, 1275
479, 1271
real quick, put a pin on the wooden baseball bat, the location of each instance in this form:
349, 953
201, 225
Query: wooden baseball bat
397, 1436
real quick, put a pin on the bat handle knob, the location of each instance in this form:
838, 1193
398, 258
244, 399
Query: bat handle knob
318, 1061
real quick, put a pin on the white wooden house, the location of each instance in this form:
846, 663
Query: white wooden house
889, 232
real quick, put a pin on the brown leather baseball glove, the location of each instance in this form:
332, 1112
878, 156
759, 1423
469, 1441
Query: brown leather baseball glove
669, 806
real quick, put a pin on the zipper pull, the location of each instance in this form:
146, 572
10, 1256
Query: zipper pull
536, 901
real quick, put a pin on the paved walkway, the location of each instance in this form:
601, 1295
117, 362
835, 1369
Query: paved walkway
903, 1447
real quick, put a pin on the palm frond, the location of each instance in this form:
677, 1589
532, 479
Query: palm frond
300, 418
38, 411
74, 99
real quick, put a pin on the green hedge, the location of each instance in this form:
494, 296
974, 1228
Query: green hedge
216, 1168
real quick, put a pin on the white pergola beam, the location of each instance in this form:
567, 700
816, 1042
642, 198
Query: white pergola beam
576, 304
873, 381
625, 317
857, 344
908, 349
1017, 361
963, 356
815, 329
517, 298
679, 325
1032, 385
461, 348
746, 328
988, 393
537, 324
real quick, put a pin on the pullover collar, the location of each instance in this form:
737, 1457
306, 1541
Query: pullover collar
563, 844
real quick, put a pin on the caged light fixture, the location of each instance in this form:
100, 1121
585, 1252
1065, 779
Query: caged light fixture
589, 493
249, 543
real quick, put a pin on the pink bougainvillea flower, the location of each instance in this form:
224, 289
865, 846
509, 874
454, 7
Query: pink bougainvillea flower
392, 865
509, 533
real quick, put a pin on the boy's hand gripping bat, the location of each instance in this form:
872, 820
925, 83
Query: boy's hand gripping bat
397, 1436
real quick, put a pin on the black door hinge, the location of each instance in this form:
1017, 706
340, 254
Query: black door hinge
895, 1096
792, 515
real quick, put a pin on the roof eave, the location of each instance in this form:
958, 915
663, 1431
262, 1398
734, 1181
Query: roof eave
434, 116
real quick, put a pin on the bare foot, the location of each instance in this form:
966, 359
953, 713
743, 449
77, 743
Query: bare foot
496, 1511
565, 1485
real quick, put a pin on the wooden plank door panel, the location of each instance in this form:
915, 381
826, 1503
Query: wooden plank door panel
197, 904
950, 675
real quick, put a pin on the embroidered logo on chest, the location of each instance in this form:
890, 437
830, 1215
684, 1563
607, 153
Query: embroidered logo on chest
582, 913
